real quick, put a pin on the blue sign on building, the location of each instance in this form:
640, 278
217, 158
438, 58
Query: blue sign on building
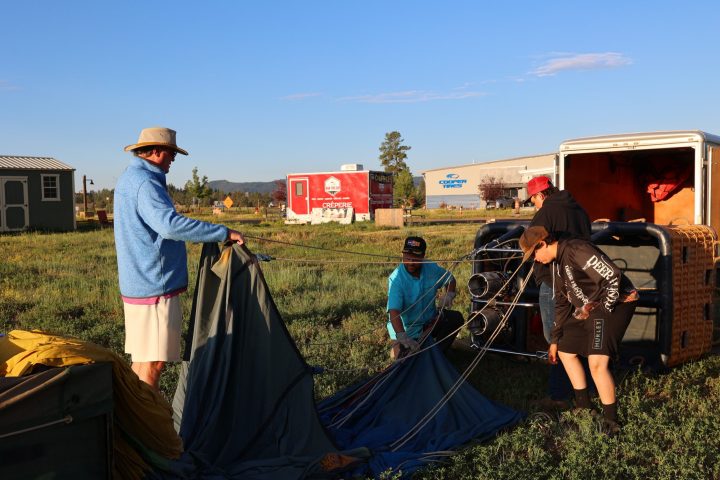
452, 180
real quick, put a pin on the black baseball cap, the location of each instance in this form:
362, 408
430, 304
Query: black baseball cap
415, 245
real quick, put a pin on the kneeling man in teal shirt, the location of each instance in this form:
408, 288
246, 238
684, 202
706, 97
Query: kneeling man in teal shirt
412, 288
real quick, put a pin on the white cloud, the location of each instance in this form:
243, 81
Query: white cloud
464, 86
300, 96
7, 86
582, 61
412, 96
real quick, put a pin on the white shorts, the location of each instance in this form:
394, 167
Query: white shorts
152, 332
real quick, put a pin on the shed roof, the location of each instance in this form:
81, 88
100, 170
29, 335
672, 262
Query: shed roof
32, 163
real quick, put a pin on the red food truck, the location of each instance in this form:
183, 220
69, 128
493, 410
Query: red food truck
343, 196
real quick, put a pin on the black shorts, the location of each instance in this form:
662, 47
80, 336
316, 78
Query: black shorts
600, 334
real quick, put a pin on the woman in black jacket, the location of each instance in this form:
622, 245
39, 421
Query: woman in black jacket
594, 303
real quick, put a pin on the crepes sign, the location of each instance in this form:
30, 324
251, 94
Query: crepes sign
332, 186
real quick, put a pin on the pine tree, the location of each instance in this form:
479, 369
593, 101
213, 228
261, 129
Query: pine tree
197, 187
404, 189
392, 153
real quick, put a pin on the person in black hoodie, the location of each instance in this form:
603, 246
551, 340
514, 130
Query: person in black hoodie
563, 217
594, 303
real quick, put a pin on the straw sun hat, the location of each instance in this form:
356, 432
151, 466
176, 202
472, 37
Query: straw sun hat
162, 137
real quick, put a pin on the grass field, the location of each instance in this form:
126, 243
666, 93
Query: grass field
334, 305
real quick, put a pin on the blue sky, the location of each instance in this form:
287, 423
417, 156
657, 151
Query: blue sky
260, 89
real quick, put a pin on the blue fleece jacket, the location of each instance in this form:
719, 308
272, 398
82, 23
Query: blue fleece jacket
150, 235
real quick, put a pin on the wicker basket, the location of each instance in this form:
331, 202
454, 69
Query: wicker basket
693, 278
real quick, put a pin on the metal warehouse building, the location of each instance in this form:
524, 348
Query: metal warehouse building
458, 186
37, 193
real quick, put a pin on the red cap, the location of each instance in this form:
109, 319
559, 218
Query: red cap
537, 185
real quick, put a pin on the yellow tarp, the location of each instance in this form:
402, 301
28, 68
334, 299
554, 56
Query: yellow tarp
139, 411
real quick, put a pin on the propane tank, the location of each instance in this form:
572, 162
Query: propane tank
486, 284
486, 321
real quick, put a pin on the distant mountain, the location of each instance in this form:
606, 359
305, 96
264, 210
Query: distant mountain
229, 187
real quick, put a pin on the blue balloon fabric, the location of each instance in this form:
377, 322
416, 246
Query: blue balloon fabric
244, 404
383, 414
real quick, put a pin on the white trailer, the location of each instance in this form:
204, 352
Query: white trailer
611, 176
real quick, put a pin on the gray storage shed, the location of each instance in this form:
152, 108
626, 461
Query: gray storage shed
36, 193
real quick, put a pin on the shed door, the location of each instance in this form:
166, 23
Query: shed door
299, 197
14, 214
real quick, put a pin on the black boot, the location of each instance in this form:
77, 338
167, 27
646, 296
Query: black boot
582, 399
611, 426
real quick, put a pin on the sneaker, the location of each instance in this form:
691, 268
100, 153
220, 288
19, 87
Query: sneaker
549, 404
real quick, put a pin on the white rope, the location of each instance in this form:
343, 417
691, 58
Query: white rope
394, 366
434, 288
413, 431
368, 395
394, 262
431, 414
425, 420
350, 252
469, 320
350, 340
475, 314
350, 394
445, 278
388, 372
339, 423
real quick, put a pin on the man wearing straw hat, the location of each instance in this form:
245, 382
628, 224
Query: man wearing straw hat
150, 241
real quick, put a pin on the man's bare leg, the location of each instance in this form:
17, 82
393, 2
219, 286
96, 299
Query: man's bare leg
149, 372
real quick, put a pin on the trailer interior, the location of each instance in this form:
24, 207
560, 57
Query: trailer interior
654, 186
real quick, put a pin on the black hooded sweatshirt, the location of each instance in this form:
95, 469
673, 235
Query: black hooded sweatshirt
585, 275
564, 218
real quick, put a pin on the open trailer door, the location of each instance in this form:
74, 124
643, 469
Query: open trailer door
714, 190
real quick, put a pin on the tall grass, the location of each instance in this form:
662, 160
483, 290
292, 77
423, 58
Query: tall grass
334, 306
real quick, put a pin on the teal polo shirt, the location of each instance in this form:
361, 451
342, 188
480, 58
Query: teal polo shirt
405, 290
